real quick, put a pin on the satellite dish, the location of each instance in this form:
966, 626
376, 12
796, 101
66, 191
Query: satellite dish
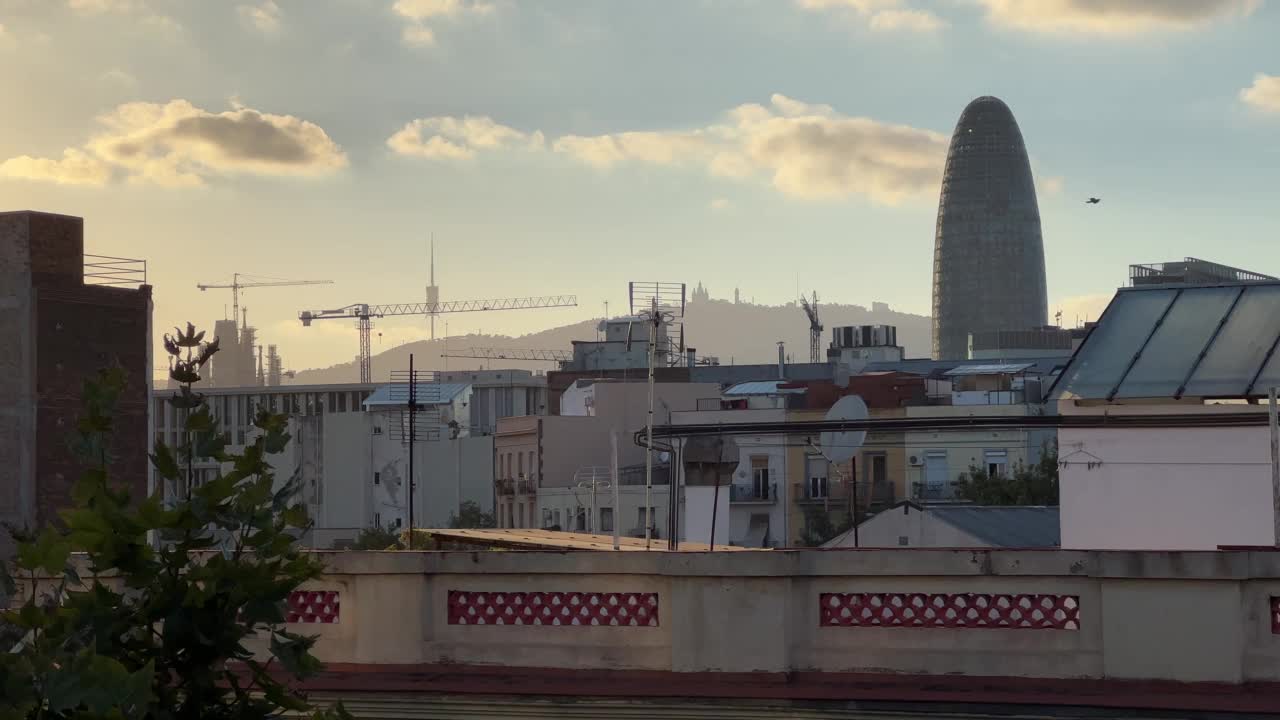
842, 446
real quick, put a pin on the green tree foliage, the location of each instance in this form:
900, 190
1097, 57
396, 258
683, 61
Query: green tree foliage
471, 516
819, 528
377, 539
128, 628
1027, 485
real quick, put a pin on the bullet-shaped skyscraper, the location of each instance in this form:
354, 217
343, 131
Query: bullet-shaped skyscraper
988, 254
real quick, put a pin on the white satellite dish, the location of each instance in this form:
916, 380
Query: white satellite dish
842, 446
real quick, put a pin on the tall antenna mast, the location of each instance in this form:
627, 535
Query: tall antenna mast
433, 292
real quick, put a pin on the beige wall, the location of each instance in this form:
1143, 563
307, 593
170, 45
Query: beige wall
1163, 616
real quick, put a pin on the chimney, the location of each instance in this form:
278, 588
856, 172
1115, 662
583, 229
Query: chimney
782, 360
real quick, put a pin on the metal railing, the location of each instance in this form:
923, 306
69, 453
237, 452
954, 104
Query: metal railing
525, 486
751, 494
835, 492
504, 486
115, 271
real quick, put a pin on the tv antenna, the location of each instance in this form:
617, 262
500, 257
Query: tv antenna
659, 305
420, 394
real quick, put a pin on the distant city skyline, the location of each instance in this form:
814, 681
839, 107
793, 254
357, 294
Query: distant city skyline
570, 147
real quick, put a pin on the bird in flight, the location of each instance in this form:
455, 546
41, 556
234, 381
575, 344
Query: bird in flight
1093, 201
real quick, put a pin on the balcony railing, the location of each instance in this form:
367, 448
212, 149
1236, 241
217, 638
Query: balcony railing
504, 486
524, 486
835, 493
748, 494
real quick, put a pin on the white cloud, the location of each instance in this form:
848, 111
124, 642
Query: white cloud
178, 144
458, 138
148, 18
721, 204
421, 14
94, 7
264, 17
119, 78
1112, 17
1264, 93
913, 20
807, 151
75, 167
880, 15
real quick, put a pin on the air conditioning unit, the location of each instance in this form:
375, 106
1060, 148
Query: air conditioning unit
914, 460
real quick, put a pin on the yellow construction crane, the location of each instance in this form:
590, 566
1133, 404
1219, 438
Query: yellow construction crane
236, 286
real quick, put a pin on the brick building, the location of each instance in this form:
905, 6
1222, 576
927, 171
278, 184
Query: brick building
60, 326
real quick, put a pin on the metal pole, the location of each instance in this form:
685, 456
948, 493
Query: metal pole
613, 471
457, 470
413, 411
1275, 462
591, 520
853, 484
648, 451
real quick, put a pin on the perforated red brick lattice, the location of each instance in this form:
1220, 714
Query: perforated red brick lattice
1275, 614
312, 606
553, 608
960, 610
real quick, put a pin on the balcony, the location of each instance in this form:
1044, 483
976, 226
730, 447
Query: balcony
524, 486
749, 495
504, 486
837, 494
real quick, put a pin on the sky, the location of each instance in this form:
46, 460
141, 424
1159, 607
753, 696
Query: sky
570, 146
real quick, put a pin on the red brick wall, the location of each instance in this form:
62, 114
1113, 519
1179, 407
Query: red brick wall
80, 330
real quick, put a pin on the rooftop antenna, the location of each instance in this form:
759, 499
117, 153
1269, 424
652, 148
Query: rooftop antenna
433, 291
659, 304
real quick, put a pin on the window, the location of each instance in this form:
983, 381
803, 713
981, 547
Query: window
641, 520
531, 465
520, 462
342, 402
521, 515
546, 518
606, 520
997, 461
760, 477
580, 520
817, 473
557, 517
377, 520
377, 429
377, 478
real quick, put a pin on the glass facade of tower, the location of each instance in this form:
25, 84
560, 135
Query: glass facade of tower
988, 257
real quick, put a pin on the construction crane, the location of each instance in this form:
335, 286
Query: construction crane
364, 313
815, 328
514, 355
236, 286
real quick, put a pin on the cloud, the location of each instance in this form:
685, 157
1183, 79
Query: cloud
880, 15
265, 18
1264, 93
118, 78
450, 138
75, 167
1112, 17
421, 14
721, 204
148, 19
807, 151
178, 144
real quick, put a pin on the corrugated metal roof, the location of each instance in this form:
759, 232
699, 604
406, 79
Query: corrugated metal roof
1009, 527
990, 369
428, 394
769, 387
1172, 342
